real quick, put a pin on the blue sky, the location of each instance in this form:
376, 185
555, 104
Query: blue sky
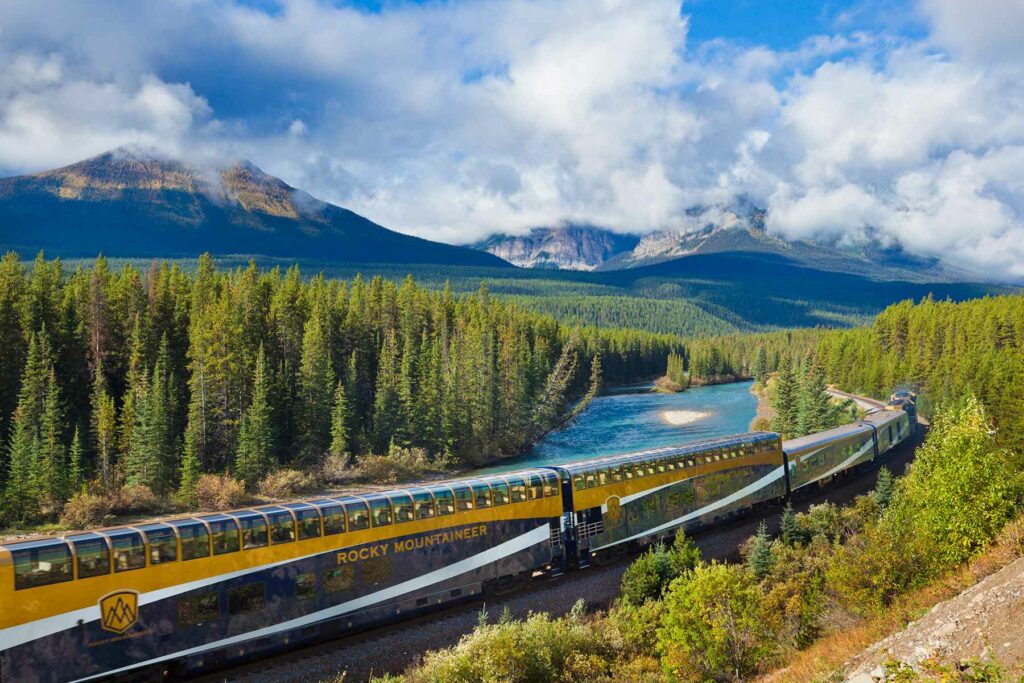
455, 120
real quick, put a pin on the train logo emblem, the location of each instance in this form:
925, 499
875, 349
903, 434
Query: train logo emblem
119, 611
613, 509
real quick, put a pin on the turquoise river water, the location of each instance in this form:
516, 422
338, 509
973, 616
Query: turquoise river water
633, 418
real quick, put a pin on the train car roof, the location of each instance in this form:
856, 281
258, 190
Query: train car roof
666, 452
819, 438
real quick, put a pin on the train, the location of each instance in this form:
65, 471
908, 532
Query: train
185, 595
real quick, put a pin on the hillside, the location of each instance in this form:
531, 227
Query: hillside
125, 204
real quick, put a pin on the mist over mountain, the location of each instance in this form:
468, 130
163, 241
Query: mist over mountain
737, 227
124, 203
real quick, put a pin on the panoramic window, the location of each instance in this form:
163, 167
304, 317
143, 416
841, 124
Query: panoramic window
195, 541
41, 565
254, 532
282, 527
334, 520
463, 498
403, 508
358, 516
308, 523
500, 490
129, 551
445, 501
380, 512
93, 557
163, 545
482, 495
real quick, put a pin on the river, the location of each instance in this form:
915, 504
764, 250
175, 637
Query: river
634, 418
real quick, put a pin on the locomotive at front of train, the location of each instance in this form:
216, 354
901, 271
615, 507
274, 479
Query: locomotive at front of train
277, 577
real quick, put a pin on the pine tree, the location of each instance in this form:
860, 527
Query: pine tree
191, 470
51, 466
316, 386
790, 533
760, 559
786, 404
386, 405
76, 473
340, 420
883, 487
254, 458
21, 498
103, 426
815, 404
761, 366
151, 462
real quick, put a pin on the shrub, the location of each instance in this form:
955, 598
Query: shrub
137, 499
717, 625
637, 626
285, 484
336, 469
219, 492
85, 510
400, 464
650, 574
538, 648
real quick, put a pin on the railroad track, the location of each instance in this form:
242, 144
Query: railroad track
392, 648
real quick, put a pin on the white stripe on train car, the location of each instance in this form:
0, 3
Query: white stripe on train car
844, 464
773, 476
510, 547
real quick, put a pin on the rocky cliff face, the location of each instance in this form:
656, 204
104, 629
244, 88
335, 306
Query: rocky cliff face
566, 247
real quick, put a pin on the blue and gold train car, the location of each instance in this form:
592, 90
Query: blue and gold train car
642, 496
224, 587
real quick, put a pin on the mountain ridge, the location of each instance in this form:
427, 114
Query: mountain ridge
123, 203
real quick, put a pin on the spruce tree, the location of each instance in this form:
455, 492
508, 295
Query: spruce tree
340, 420
761, 366
883, 487
815, 405
103, 426
386, 404
191, 470
76, 472
254, 458
21, 498
760, 559
316, 387
787, 394
790, 533
51, 466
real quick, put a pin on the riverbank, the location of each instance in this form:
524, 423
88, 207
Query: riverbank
765, 413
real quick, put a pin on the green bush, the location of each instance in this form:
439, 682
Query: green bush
717, 625
536, 649
651, 573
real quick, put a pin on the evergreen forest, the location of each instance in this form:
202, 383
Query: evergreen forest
151, 378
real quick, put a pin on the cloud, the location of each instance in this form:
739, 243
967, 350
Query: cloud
454, 120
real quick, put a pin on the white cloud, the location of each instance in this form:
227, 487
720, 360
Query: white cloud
453, 120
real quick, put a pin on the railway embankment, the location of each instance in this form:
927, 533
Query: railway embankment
980, 626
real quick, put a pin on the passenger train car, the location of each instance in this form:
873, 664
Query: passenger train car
194, 593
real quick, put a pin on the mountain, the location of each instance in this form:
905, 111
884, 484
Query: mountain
127, 204
736, 227
567, 247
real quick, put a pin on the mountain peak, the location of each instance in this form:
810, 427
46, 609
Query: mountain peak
134, 202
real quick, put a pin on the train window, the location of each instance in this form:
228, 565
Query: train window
376, 571
358, 516
550, 484
309, 524
129, 550
482, 495
445, 501
198, 609
163, 545
41, 565
463, 498
578, 482
305, 586
282, 527
380, 512
224, 533
517, 489
334, 520
254, 532
591, 478
93, 557
195, 541
534, 487
660, 466
423, 505
339, 579
628, 472
615, 473
670, 464
403, 508
249, 598
500, 490
650, 467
